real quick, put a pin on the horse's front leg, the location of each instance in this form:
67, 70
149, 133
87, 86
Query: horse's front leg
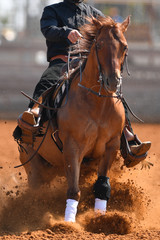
72, 164
102, 188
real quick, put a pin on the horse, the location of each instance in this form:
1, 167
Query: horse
91, 122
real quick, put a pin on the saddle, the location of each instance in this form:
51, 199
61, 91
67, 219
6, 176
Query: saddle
29, 127
27, 131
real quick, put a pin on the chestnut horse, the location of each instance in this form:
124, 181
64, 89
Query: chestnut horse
91, 123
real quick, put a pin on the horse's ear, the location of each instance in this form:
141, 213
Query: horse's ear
125, 24
96, 22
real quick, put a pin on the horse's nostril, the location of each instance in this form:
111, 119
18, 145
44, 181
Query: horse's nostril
119, 82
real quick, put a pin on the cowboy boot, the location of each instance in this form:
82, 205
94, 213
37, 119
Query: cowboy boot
137, 147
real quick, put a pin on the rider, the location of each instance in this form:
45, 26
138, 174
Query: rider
59, 24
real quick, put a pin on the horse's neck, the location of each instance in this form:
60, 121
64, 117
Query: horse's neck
91, 72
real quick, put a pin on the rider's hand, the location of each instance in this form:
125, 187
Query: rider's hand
74, 35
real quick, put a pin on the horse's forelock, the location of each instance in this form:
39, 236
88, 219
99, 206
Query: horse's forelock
107, 21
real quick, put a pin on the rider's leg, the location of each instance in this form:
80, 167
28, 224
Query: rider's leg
49, 79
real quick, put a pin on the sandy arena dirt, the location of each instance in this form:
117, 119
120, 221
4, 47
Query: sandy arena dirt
133, 210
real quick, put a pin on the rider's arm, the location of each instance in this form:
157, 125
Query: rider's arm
49, 26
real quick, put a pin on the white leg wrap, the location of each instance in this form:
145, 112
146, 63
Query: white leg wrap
100, 206
71, 210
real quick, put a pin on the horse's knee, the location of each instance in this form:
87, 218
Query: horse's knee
102, 188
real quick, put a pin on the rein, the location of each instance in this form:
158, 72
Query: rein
119, 94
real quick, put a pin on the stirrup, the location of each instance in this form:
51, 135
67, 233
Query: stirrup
130, 160
27, 121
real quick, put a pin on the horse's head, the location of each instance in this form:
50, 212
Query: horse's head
111, 49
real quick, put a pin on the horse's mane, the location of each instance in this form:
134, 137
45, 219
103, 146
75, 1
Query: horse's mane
89, 32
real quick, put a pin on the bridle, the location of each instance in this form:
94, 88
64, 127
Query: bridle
119, 94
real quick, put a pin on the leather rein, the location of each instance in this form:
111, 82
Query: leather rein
100, 79
119, 94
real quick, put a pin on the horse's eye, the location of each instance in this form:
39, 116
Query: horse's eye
99, 44
126, 48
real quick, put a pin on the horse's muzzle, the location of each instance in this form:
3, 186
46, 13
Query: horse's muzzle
111, 84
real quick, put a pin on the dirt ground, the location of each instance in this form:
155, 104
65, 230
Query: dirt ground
133, 210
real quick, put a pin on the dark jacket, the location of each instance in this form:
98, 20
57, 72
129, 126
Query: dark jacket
61, 18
